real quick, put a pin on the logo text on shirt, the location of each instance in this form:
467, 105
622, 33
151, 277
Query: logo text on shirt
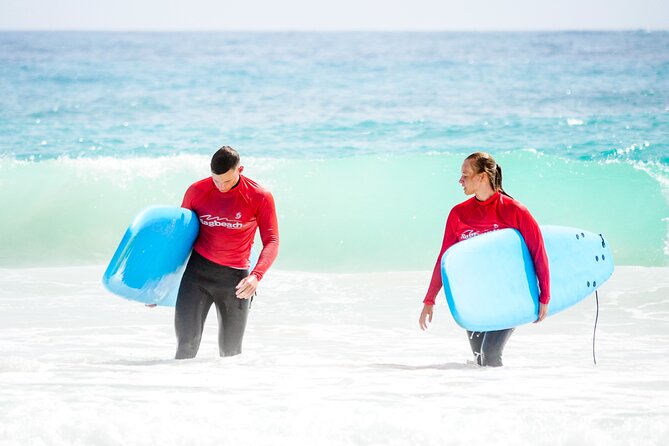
469, 233
211, 221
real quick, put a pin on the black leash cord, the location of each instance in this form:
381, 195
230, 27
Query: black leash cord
594, 358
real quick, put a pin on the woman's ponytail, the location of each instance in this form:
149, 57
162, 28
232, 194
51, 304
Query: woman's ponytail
498, 181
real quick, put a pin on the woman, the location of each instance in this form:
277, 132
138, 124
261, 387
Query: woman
490, 209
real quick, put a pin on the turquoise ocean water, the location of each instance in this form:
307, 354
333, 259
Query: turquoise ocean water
360, 136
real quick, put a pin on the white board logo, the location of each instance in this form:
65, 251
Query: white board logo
211, 221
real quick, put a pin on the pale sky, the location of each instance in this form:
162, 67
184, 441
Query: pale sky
336, 15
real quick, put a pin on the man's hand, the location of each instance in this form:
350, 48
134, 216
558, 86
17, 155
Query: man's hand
247, 287
543, 312
425, 316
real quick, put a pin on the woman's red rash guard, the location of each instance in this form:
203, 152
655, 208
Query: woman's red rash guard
472, 217
228, 223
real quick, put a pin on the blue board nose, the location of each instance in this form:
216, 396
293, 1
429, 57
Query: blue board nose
150, 259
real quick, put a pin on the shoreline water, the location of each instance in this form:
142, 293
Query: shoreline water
329, 358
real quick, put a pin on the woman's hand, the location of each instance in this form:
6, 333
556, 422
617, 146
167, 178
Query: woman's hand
543, 312
425, 316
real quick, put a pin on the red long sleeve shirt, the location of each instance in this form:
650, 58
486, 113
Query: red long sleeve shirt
472, 217
228, 223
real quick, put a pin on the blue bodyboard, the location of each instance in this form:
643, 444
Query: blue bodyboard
490, 282
151, 258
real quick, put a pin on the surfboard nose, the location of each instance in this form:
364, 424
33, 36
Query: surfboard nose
150, 259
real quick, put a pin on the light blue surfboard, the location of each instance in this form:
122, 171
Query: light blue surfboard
151, 258
490, 282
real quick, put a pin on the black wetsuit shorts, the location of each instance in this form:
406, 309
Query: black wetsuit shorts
205, 283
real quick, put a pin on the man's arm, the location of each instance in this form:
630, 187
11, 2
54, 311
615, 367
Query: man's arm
269, 235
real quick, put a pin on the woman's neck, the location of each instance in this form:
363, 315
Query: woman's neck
484, 194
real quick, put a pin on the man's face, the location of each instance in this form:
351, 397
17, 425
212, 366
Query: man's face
226, 181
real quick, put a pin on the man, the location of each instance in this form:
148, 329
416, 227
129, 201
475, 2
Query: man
230, 208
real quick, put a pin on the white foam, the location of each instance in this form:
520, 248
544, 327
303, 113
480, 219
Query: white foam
329, 359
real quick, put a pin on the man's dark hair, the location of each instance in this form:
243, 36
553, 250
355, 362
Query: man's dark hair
224, 159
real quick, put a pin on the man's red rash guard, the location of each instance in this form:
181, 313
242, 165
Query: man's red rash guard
228, 222
472, 217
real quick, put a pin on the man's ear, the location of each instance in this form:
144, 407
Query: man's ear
241, 169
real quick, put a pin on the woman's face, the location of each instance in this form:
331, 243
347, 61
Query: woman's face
470, 181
